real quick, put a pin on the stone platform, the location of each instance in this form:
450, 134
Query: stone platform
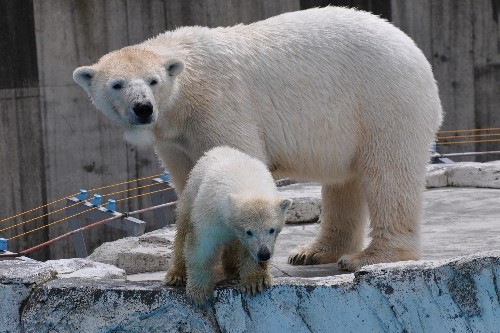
454, 288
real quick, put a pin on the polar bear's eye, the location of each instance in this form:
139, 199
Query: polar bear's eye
153, 82
271, 231
249, 233
117, 86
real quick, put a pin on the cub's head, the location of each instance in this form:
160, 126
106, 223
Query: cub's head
257, 222
130, 85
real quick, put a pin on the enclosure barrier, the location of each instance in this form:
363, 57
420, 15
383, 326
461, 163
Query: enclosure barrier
79, 210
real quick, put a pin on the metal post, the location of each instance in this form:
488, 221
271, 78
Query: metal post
133, 226
164, 216
3, 245
437, 158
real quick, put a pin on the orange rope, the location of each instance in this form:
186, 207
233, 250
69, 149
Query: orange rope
123, 183
470, 130
87, 210
38, 217
131, 189
65, 198
466, 136
464, 142
37, 208
143, 194
55, 222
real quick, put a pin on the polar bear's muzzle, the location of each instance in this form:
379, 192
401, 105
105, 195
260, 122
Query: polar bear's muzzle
142, 113
264, 254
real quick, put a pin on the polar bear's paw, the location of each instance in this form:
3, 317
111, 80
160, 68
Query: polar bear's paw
311, 255
199, 294
175, 277
354, 262
375, 254
256, 284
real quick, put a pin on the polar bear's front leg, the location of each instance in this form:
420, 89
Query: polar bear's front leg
255, 276
177, 163
176, 275
344, 214
200, 256
231, 259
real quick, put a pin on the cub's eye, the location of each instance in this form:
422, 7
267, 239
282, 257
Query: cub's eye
117, 86
153, 82
249, 233
271, 231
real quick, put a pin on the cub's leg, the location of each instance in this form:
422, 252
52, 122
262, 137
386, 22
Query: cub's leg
343, 218
254, 275
395, 204
201, 256
231, 259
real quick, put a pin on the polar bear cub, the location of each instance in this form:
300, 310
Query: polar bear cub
230, 203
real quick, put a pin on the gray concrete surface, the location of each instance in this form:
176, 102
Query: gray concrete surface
435, 294
456, 222
460, 295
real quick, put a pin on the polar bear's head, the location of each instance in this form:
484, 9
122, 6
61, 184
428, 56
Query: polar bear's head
257, 222
130, 86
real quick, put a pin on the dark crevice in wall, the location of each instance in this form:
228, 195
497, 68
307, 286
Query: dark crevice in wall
18, 68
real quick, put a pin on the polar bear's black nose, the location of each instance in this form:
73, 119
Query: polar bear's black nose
263, 254
143, 111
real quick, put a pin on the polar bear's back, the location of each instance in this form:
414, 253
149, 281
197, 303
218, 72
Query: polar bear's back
321, 85
223, 171
327, 62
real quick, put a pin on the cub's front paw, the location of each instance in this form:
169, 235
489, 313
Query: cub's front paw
256, 284
175, 277
199, 295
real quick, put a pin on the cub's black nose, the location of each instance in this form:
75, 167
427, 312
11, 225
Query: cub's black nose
143, 111
263, 254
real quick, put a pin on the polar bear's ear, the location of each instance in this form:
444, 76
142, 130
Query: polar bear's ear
83, 75
174, 67
285, 204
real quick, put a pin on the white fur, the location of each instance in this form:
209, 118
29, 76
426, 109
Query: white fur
139, 135
332, 95
230, 202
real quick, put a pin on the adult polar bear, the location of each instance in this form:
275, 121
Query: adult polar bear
332, 95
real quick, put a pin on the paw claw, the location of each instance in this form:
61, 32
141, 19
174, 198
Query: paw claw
199, 296
175, 280
310, 256
354, 262
256, 285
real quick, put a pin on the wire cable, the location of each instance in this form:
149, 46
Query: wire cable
465, 142
82, 212
91, 225
39, 217
55, 222
70, 196
123, 183
131, 189
469, 130
37, 208
467, 136
143, 194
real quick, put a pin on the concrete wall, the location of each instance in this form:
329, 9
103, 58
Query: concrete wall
53, 141
459, 295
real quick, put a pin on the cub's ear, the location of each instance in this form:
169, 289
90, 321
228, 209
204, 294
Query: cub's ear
285, 204
83, 75
174, 67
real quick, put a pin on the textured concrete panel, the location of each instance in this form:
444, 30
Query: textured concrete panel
460, 295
